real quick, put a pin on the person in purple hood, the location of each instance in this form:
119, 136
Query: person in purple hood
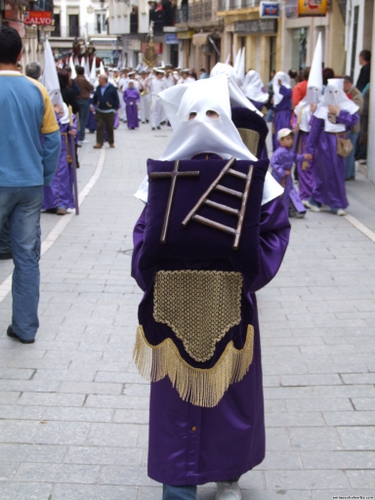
198, 338
132, 99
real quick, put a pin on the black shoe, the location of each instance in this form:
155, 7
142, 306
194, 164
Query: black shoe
11, 333
159, 128
6, 255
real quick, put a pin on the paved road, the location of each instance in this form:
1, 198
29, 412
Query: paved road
74, 412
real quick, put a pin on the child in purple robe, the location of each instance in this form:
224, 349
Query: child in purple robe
206, 416
132, 99
281, 163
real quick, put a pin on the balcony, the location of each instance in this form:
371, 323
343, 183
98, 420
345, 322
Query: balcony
195, 13
238, 4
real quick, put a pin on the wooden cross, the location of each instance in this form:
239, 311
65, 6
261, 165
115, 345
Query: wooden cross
173, 175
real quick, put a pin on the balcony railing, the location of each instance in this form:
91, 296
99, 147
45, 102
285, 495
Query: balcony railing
238, 4
196, 12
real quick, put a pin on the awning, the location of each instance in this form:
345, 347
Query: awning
200, 39
185, 35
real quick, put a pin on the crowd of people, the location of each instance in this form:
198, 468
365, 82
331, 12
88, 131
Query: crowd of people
198, 339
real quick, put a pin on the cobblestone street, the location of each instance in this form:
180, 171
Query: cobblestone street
73, 409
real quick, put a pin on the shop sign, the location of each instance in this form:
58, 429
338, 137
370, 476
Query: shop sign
256, 27
11, 11
269, 10
171, 38
39, 17
291, 9
312, 7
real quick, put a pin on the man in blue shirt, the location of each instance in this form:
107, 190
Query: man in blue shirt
107, 103
26, 164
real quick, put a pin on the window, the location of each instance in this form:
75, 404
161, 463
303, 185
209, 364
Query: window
101, 23
74, 25
56, 31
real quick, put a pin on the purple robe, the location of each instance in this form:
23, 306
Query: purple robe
257, 104
329, 167
282, 114
60, 193
131, 98
306, 178
188, 444
282, 160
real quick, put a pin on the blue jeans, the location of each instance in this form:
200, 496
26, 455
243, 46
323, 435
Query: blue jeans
21, 205
350, 159
84, 109
179, 492
5, 238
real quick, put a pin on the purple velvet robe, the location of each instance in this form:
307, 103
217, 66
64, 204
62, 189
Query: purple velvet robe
282, 160
190, 445
131, 98
306, 178
60, 193
329, 167
282, 115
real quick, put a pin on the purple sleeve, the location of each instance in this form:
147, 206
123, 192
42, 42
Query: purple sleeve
278, 165
298, 158
138, 234
313, 138
274, 238
285, 92
347, 119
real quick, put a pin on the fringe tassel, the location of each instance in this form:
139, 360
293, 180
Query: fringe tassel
195, 385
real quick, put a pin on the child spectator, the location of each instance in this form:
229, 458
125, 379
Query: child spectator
281, 163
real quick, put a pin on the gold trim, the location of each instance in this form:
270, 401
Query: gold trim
197, 386
199, 306
250, 138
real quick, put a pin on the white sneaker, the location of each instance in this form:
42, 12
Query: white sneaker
314, 208
84, 142
228, 491
340, 211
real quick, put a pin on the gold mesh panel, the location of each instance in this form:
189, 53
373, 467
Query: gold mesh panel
199, 306
199, 387
250, 138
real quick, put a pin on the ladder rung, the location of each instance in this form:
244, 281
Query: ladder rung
236, 173
229, 191
216, 225
223, 208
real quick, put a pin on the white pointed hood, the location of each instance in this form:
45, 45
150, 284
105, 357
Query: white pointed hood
237, 97
334, 95
50, 78
93, 71
253, 87
314, 89
72, 67
285, 82
203, 134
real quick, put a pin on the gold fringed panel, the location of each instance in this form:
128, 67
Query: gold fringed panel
197, 386
199, 306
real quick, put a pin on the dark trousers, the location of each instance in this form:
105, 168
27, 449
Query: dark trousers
84, 108
107, 119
